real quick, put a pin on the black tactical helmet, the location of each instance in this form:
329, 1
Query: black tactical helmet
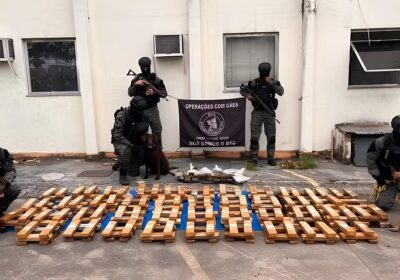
144, 62
264, 68
396, 123
139, 103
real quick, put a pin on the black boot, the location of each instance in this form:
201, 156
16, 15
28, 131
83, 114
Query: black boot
123, 177
272, 162
115, 166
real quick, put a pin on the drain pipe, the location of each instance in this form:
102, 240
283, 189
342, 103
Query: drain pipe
82, 29
308, 76
194, 22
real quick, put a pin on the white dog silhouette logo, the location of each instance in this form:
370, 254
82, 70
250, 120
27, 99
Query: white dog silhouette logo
212, 123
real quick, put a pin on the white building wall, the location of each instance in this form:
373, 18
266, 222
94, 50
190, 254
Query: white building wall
236, 16
334, 102
121, 32
36, 124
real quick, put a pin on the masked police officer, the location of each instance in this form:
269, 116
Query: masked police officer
265, 88
129, 126
140, 88
383, 161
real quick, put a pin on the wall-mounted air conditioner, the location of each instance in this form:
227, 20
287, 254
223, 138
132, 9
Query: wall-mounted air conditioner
168, 45
6, 49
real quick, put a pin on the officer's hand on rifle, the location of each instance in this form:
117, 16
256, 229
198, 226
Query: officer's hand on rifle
268, 80
139, 83
250, 98
149, 92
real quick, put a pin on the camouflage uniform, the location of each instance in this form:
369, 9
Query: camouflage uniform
151, 113
8, 174
383, 155
260, 116
128, 128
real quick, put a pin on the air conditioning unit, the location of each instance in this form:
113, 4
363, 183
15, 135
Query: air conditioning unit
6, 49
168, 45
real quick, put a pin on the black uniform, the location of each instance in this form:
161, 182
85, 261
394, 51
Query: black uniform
260, 116
152, 100
151, 112
383, 157
7, 175
129, 126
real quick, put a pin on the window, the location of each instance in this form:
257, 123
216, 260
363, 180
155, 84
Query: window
374, 58
52, 67
242, 55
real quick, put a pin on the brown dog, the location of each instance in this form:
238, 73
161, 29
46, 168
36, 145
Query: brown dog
154, 158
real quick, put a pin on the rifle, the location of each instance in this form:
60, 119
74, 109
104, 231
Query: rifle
245, 91
147, 83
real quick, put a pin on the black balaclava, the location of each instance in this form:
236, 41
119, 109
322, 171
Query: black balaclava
144, 64
264, 68
396, 128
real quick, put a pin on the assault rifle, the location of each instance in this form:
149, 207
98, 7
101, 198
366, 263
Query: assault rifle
246, 91
148, 84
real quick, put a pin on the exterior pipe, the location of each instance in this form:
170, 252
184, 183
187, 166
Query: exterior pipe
308, 76
81, 24
194, 23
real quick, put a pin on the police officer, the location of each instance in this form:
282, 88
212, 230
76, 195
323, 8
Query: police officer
265, 88
139, 88
383, 161
129, 126
7, 176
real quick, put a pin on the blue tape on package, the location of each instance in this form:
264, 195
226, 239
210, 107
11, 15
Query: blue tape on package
149, 214
255, 223
218, 224
133, 193
104, 223
246, 194
66, 224
184, 216
8, 229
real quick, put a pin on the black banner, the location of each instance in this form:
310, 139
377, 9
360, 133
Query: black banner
212, 123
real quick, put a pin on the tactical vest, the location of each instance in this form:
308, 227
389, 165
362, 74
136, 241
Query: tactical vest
128, 125
133, 128
153, 99
129, 128
389, 157
266, 94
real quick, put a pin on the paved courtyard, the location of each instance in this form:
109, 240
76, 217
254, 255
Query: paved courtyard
201, 260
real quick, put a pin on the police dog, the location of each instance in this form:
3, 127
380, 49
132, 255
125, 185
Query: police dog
154, 159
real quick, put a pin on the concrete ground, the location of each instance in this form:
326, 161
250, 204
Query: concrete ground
201, 260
